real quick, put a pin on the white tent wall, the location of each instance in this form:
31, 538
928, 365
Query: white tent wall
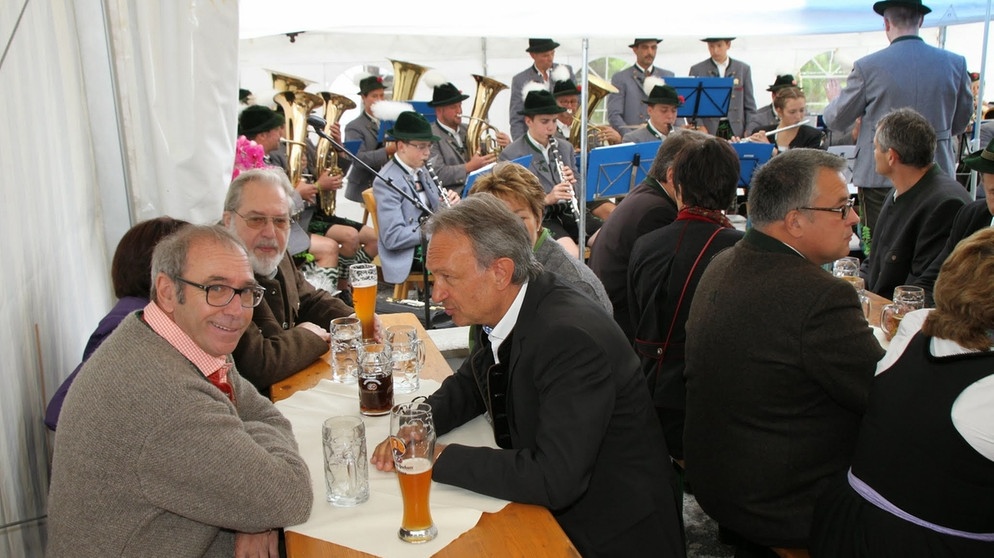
104, 127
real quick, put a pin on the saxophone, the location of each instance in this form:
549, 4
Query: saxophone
574, 207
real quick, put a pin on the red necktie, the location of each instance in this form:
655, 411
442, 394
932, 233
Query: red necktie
220, 380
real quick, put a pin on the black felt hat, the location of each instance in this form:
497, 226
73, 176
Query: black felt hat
411, 126
540, 102
880, 7
243, 94
713, 39
785, 80
257, 119
541, 45
664, 95
566, 87
371, 83
983, 160
446, 94
637, 42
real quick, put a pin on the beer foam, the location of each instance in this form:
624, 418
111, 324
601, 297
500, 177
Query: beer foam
414, 465
361, 284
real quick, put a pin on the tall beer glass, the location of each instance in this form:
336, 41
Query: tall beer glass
412, 437
363, 279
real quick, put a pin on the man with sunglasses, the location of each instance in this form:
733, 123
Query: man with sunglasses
163, 449
289, 331
779, 359
917, 214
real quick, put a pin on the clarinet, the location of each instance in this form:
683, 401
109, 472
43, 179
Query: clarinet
444, 199
573, 205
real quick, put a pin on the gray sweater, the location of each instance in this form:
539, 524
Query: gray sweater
151, 459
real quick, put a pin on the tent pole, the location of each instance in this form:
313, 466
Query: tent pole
581, 191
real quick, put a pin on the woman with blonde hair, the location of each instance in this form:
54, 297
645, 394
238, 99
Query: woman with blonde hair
922, 476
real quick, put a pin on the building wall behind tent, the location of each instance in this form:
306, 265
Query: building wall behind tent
102, 127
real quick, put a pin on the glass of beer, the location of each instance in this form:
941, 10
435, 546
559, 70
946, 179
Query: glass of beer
362, 277
412, 438
907, 298
375, 379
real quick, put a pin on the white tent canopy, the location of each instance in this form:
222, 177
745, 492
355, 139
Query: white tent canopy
121, 110
522, 18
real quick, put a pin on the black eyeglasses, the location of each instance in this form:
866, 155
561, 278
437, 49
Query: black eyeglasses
844, 210
221, 295
259, 221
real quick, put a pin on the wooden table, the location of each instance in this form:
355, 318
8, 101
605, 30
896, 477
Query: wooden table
517, 530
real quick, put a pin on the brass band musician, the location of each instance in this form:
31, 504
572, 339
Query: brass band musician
449, 155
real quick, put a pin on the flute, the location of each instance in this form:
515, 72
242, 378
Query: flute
774, 132
442, 197
573, 205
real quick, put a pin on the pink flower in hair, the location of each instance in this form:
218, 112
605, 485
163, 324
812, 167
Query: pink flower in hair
248, 155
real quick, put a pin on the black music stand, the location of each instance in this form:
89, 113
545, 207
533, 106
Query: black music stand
616, 169
703, 97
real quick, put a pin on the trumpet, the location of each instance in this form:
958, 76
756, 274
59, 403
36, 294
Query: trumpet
574, 207
444, 199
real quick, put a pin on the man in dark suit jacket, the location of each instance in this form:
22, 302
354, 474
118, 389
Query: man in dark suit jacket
650, 205
742, 104
779, 358
366, 128
914, 222
969, 219
569, 408
879, 84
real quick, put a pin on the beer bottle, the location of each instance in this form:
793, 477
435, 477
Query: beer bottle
724, 129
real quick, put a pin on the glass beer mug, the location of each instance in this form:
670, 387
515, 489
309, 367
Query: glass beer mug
412, 440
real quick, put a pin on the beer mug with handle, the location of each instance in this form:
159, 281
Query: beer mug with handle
412, 440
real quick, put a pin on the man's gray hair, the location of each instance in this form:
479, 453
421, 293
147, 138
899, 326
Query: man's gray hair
789, 181
268, 175
170, 255
676, 141
493, 230
909, 134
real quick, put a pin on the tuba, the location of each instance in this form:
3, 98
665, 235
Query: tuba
286, 82
599, 88
481, 137
405, 79
327, 158
297, 105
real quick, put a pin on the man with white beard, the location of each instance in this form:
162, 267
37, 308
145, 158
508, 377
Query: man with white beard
288, 331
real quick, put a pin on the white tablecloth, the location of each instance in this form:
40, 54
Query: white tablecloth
372, 526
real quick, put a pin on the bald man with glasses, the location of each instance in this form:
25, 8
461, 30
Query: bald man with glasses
289, 330
778, 360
